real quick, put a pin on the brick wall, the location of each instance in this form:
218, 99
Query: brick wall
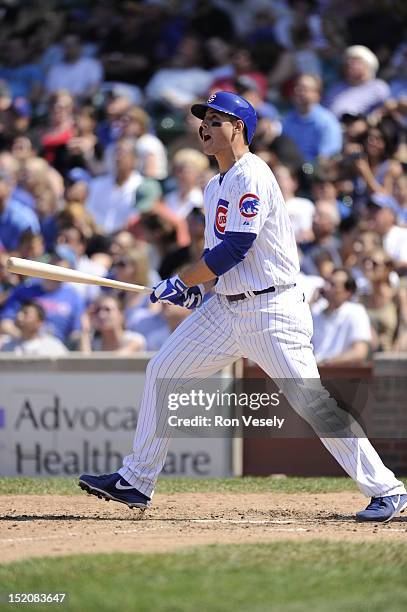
307, 456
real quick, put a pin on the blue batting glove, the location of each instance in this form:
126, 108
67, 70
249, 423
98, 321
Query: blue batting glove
193, 297
169, 291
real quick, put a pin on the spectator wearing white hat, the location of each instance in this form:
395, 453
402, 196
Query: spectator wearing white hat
360, 91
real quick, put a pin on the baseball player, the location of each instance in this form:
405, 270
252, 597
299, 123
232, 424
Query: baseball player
258, 312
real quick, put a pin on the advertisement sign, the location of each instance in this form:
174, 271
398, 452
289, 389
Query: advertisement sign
66, 418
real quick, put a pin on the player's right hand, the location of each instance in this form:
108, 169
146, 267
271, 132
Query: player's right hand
169, 291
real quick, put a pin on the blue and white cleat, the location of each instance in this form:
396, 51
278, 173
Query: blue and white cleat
115, 487
383, 509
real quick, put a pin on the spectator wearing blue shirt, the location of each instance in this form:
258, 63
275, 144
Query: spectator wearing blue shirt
314, 129
398, 82
11, 166
15, 217
63, 306
24, 79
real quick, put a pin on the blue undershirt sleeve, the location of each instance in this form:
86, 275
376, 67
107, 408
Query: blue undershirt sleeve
231, 251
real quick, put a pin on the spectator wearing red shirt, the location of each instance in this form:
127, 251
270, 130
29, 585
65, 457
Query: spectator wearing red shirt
60, 130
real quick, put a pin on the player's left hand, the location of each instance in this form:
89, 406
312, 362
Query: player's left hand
193, 297
169, 291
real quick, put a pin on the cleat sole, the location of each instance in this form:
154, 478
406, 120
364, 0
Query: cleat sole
103, 495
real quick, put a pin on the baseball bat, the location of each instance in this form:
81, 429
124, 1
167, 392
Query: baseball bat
26, 267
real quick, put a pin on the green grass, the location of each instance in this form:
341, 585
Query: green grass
68, 486
282, 576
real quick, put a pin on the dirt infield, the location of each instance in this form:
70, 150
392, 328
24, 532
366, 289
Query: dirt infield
37, 525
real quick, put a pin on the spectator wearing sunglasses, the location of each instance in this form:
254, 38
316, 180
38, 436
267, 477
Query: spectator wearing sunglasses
103, 329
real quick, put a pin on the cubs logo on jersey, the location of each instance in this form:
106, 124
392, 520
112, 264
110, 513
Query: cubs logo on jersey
249, 205
220, 218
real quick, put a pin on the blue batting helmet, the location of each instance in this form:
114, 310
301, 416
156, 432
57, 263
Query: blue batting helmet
231, 104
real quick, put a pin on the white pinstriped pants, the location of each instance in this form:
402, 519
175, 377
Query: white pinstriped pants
274, 330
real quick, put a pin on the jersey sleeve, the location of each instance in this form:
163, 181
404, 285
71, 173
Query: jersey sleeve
249, 204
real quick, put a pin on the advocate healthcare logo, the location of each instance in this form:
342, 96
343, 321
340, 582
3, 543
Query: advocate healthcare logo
249, 205
221, 218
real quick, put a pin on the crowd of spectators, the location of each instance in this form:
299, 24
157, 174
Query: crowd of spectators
101, 167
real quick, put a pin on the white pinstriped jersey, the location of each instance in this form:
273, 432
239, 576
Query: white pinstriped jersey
248, 199
274, 330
